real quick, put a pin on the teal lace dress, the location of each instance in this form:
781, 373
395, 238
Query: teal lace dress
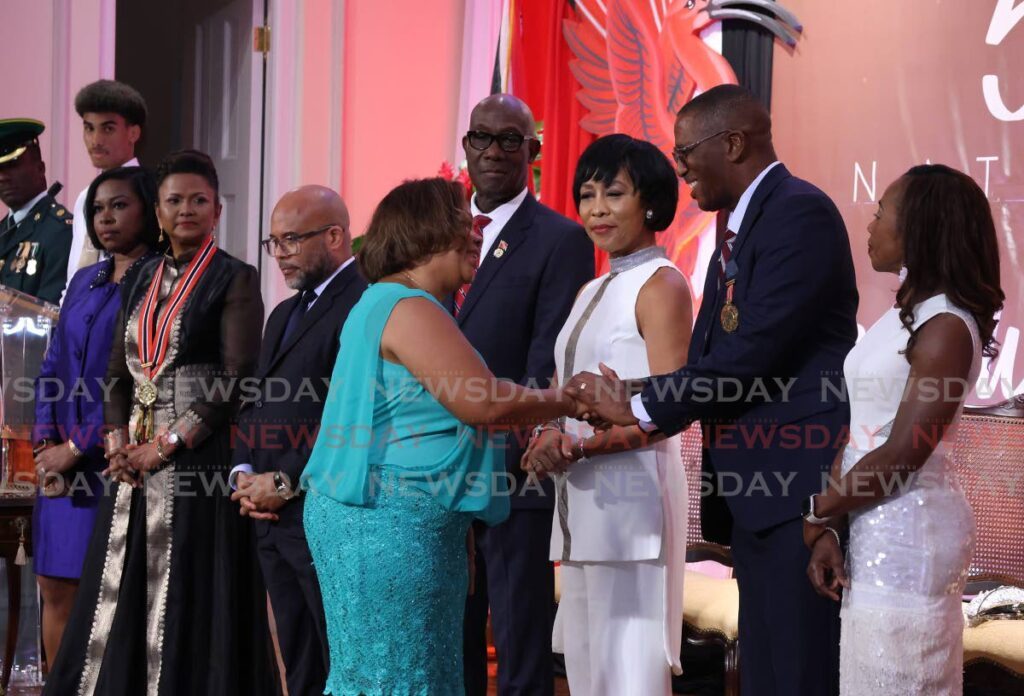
393, 484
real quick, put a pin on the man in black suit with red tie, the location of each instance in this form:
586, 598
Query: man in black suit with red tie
533, 262
277, 427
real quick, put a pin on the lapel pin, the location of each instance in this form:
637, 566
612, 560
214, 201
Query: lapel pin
37, 216
500, 251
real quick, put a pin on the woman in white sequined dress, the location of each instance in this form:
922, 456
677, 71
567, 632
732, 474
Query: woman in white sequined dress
911, 531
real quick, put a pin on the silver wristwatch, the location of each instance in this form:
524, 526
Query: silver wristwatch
283, 485
808, 511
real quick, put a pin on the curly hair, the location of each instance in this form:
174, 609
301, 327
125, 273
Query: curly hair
949, 246
105, 96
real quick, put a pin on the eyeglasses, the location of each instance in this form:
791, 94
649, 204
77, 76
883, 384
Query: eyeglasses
288, 244
508, 142
679, 154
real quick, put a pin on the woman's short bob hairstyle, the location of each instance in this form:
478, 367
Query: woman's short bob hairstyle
144, 186
414, 221
650, 170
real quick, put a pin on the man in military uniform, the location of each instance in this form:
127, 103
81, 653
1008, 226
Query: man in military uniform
35, 235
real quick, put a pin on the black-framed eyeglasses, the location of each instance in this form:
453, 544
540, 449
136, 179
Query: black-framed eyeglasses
288, 244
679, 154
508, 141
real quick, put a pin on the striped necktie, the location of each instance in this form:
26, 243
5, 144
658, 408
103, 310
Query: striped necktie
479, 223
726, 254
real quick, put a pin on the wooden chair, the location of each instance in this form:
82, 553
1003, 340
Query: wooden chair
711, 605
989, 459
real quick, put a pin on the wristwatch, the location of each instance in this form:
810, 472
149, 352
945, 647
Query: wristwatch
173, 438
808, 511
283, 485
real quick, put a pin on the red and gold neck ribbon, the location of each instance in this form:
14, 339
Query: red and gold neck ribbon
153, 339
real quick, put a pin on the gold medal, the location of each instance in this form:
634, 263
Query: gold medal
730, 314
146, 393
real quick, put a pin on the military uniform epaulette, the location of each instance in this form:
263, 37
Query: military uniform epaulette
34, 256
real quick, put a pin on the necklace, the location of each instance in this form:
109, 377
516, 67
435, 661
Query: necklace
412, 280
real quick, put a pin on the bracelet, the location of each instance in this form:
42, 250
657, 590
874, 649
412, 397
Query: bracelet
160, 451
550, 425
835, 534
74, 448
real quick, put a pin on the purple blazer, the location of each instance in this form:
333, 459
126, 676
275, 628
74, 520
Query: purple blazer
69, 390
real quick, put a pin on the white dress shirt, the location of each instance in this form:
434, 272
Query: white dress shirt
735, 224
22, 212
499, 218
78, 232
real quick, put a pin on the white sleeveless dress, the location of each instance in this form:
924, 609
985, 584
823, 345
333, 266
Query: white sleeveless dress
902, 626
625, 509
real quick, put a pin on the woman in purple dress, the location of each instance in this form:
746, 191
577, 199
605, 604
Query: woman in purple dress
121, 219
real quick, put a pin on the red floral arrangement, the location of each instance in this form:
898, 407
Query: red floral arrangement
448, 171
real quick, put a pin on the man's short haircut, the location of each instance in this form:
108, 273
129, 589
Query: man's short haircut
105, 96
719, 106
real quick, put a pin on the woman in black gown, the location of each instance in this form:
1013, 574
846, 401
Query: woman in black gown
171, 600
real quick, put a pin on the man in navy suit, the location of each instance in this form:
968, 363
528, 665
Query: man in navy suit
764, 379
533, 262
277, 427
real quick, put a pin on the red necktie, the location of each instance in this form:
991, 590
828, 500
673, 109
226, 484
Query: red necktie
479, 223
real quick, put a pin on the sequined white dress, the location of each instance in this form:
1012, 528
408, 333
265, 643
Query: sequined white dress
901, 619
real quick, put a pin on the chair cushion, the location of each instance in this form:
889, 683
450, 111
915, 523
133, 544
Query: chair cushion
711, 604
998, 641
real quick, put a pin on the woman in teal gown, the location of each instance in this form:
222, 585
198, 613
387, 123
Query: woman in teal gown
408, 454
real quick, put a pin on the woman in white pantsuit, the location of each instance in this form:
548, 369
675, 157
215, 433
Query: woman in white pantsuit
620, 518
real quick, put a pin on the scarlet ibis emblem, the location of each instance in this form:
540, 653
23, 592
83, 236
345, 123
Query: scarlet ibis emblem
637, 62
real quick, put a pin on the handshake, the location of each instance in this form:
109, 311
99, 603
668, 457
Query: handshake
601, 400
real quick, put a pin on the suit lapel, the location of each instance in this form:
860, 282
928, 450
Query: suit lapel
512, 235
770, 182
320, 308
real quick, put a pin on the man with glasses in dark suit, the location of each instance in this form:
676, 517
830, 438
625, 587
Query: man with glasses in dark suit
310, 241
533, 262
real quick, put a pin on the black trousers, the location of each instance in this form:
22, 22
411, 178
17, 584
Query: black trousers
789, 635
516, 579
298, 608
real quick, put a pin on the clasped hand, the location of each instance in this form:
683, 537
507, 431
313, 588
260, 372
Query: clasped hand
257, 496
550, 452
126, 463
603, 400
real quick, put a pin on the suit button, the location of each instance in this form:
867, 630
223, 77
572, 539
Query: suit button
259, 404
88, 318
78, 353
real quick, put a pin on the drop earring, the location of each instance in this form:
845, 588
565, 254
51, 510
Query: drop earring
161, 235
649, 215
